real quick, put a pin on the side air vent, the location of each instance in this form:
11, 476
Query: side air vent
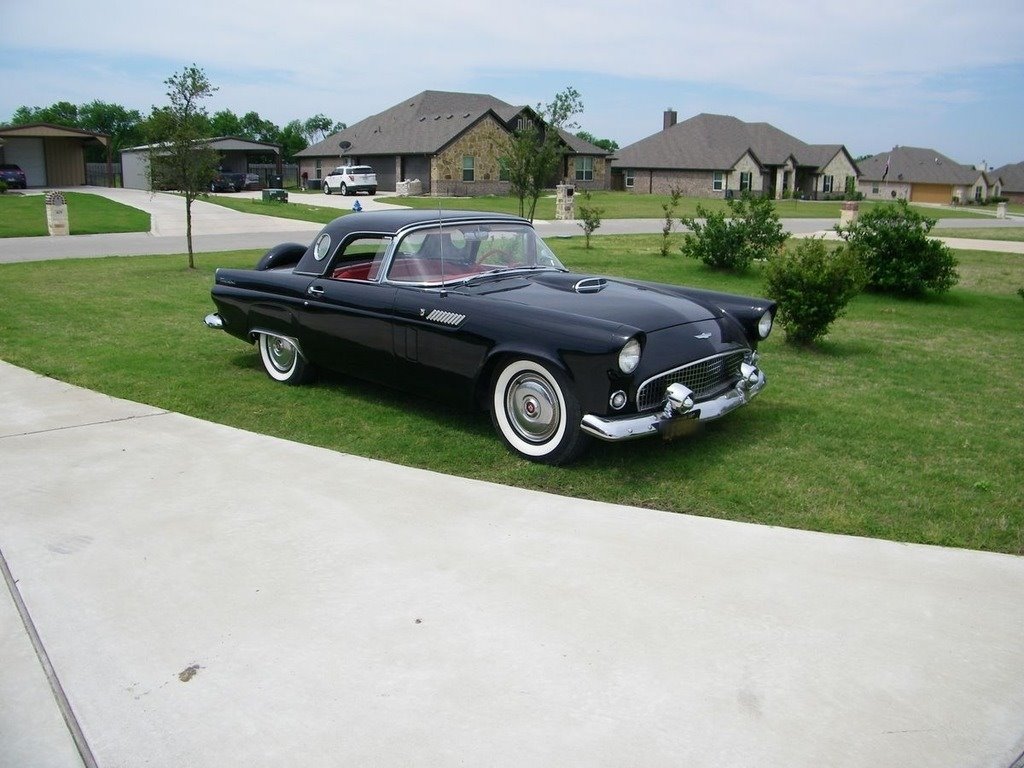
590, 285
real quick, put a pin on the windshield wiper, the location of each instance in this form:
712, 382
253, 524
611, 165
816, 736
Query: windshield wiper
510, 272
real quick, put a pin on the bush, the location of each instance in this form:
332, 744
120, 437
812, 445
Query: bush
892, 241
812, 286
590, 217
3, 186
752, 231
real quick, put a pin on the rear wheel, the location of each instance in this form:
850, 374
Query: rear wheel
282, 361
536, 412
344, 189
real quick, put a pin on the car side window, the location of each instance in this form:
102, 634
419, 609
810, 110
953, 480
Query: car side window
360, 258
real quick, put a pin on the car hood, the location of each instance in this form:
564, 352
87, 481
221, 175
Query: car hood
643, 307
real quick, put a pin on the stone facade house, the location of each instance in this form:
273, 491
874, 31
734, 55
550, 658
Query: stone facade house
922, 175
451, 142
721, 156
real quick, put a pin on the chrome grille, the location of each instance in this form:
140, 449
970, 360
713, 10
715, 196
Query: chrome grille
703, 377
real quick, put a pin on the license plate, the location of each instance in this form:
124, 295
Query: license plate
678, 427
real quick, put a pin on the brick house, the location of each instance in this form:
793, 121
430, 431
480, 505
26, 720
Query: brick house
922, 175
451, 142
719, 155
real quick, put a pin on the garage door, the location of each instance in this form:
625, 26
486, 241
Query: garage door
931, 193
28, 153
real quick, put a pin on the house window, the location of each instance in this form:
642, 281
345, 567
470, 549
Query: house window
504, 174
522, 124
745, 181
319, 170
584, 169
630, 177
827, 182
874, 188
718, 181
468, 168
977, 193
851, 184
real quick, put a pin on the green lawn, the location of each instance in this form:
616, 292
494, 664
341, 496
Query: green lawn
614, 205
25, 215
905, 424
993, 233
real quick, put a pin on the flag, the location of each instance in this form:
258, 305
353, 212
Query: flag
886, 171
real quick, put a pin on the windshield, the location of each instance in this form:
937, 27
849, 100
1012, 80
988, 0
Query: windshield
457, 253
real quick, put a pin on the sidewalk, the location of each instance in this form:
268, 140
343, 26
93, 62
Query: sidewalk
214, 597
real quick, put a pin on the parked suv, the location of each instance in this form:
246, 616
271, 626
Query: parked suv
351, 178
13, 175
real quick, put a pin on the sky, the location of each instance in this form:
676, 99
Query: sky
947, 75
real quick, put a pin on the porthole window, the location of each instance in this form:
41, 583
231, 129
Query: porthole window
323, 246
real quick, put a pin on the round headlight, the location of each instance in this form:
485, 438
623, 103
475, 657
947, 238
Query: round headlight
764, 325
629, 357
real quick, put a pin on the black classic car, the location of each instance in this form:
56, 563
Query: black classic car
475, 307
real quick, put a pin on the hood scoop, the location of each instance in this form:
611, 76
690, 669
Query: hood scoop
590, 285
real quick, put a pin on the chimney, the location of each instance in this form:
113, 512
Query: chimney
670, 118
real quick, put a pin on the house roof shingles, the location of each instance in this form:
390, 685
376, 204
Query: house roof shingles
1012, 176
422, 125
715, 142
917, 165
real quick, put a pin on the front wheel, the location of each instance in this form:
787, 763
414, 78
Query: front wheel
327, 188
536, 412
282, 361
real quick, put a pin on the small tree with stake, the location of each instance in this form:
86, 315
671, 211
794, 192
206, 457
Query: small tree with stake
180, 158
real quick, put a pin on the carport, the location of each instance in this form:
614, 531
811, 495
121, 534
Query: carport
235, 154
50, 155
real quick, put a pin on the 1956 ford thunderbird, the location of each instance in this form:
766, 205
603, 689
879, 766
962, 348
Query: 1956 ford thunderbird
475, 307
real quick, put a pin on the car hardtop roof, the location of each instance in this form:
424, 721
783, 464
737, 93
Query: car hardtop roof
395, 220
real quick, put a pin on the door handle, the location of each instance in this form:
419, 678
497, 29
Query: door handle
315, 290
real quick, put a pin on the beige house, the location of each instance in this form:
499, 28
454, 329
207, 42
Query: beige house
451, 142
722, 156
922, 175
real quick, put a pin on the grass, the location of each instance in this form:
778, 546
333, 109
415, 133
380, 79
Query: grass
993, 233
614, 205
905, 424
25, 215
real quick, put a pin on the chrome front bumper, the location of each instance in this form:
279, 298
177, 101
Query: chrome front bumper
656, 422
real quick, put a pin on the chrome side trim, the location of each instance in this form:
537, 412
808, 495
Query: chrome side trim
642, 425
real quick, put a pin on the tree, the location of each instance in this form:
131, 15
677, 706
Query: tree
226, 123
608, 144
61, 113
590, 217
670, 212
536, 149
123, 126
292, 139
182, 160
317, 128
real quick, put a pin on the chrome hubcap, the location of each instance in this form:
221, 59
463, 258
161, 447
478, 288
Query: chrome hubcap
532, 407
282, 353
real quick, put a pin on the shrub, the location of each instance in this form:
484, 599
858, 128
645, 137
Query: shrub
670, 212
3, 186
812, 286
590, 217
900, 258
752, 231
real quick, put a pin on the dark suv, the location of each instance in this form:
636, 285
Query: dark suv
13, 175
